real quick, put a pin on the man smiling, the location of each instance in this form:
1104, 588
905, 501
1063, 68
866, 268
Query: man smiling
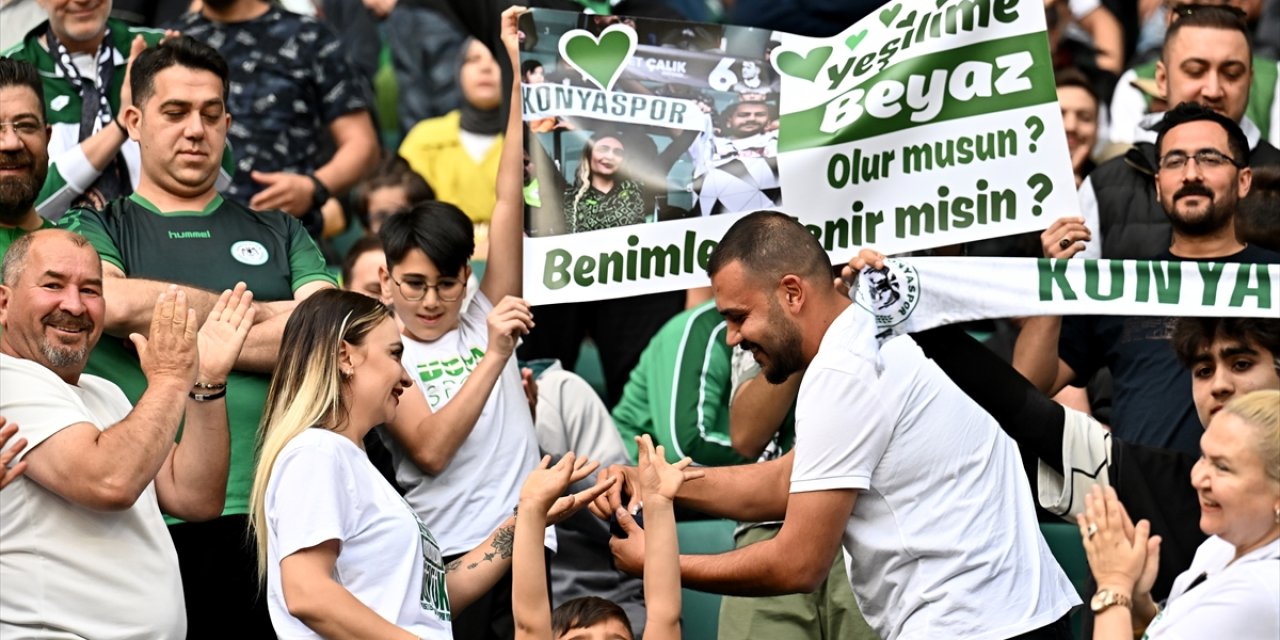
23, 155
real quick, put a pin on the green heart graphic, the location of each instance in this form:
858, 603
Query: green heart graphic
806, 66
907, 21
599, 59
889, 14
853, 40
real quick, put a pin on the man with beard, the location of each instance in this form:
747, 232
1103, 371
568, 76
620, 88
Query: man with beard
83, 58
885, 443
24, 157
85, 553
1201, 178
738, 171
176, 228
1207, 58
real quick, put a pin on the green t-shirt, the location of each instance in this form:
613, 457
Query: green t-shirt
210, 249
9, 234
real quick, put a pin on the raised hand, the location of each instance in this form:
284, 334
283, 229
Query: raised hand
224, 333
511, 29
657, 476
865, 258
546, 484
568, 505
169, 354
7, 430
510, 319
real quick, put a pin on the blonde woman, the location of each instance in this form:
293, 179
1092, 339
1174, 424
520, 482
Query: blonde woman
341, 553
1232, 589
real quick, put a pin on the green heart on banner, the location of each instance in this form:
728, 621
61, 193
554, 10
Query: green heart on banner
599, 59
853, 40
804, 66
887, 16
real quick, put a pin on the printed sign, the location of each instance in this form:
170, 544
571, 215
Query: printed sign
923, 125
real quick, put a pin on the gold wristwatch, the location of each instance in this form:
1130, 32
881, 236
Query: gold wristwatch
1105, 598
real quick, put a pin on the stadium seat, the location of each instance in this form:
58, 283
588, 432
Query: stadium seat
1064, 543
700, 613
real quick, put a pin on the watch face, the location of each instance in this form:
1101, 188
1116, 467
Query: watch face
1101, 600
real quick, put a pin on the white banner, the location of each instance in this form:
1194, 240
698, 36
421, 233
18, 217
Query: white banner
914, 294
925, 124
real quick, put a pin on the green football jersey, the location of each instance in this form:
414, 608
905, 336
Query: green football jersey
212, 250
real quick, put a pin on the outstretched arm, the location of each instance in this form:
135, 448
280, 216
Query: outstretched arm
531, 606
504, 272
660, 482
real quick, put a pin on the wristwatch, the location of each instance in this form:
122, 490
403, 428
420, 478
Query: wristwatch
1105, 598
321, 193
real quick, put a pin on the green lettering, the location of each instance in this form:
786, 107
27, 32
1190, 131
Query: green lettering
1093, 283
1244, 289
1053, 274
555, 273
652, 262
582, 271
1210, 273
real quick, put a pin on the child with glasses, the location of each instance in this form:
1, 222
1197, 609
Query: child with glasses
463, 444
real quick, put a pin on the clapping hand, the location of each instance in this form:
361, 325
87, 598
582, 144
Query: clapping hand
224, 333
1122, 556
170, 351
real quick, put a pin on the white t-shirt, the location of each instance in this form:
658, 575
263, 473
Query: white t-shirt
481, 485
67, 571
1240, 600
943, 541
323, 487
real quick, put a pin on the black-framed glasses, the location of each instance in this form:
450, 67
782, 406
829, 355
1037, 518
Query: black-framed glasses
24, 128
1205, 159
447, 289
1188, 8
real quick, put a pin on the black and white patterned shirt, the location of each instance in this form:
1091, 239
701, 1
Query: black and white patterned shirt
289, 81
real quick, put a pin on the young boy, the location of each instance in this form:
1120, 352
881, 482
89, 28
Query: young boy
464, 444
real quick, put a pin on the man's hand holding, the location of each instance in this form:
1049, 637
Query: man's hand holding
510, 319
1065, 238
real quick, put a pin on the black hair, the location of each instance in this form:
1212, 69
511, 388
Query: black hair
1074, 77
1210, 17
1186, 112
527, 66
587, 611
392, 171
16, 73
771, 245
439, 229
362, 246
182, 51
1191, 336
1257, 219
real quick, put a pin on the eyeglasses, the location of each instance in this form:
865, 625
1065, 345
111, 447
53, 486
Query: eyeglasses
1189, 8
24, 128
447, 289
1205, 159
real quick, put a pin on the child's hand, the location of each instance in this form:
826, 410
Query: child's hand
657, 476
546, 484
510, 33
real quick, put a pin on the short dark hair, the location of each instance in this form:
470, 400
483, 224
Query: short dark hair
1186, 112
1193, 335
1074, 77
587, 611
182, 51
439, 229
392, 171
1257, 221
771, 245
1210, 17
362, 246
16, 73
527, 66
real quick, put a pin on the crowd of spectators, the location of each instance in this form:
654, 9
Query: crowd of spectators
203, 436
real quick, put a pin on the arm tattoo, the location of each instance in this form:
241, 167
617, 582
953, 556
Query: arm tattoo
448, 568
502, 544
